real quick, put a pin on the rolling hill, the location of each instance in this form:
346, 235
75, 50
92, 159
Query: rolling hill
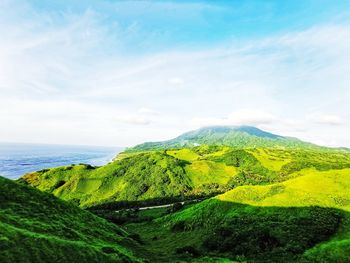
185, 173
37, 227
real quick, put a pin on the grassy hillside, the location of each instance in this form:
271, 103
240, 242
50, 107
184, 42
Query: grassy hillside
284, 201
233, 136
183, 173
37, 227
305, 219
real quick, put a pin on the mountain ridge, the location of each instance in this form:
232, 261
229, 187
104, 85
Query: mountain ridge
233, 136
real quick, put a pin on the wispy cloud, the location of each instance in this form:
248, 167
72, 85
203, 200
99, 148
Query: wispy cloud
132, 119
76, 74
328, 119
252, 117
147, 111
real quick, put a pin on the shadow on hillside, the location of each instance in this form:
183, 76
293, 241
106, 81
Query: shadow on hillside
240, 232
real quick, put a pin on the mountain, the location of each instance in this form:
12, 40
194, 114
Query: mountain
38, 227
235, 136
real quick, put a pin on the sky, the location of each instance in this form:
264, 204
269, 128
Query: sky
119, 73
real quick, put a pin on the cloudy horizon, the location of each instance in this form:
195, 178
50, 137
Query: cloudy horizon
122, 73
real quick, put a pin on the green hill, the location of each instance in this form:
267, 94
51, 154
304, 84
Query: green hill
234, 136
305, 219
37, 227
180, 174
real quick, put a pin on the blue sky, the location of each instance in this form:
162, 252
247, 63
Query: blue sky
124, 72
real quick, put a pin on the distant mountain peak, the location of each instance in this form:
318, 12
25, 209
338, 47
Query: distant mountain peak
251, 130
234, 136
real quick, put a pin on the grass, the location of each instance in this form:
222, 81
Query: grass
184, 154
183, 173
322, 188
271, 159
209, 172
304, 219
37, 227
239, 232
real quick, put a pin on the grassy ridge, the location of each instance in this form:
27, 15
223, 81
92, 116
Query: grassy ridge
37, 227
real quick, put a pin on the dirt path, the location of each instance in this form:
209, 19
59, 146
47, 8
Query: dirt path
161, 206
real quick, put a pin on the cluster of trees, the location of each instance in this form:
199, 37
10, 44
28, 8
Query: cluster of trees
274, 233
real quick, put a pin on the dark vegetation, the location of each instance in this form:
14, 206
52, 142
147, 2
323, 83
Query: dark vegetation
274, 234
253, 234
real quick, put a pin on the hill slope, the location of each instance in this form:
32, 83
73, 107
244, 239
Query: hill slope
184, 173
37, 227
305, 219
240, 136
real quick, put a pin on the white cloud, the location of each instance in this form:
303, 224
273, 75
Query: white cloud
132, 119
251, 117
147, 111
328, 119
176, 81
241, 117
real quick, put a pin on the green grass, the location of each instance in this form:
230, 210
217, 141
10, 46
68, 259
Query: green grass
240, 232
184, 154
272, 159
208, 172
184, 173
322, 188
37, 227
305, 219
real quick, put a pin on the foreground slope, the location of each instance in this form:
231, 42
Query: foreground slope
37, 227
305, 219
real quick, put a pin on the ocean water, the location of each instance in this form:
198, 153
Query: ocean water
17, 159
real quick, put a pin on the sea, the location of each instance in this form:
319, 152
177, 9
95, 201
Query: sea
16, 159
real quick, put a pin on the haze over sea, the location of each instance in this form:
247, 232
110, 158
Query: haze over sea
17, 159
